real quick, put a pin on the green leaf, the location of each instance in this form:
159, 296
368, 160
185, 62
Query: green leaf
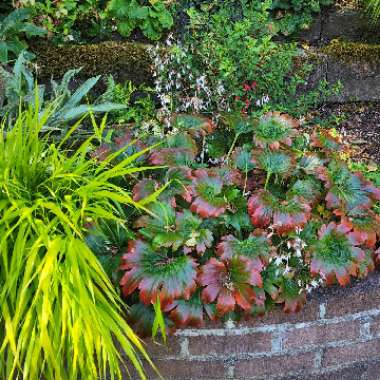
274, 162
3, 52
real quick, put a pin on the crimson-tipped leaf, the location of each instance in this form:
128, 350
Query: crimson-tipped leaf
230, 283
209, 200
266, 209
156, 275
336, 255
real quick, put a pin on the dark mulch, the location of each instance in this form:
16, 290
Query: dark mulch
360, 126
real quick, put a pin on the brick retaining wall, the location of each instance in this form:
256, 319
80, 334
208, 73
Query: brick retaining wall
335, 337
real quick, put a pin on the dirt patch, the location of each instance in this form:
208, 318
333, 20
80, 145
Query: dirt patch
360, 125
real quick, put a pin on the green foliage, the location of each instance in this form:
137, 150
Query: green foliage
70, 20
294, 15
152, 17
60, 316
139, 107
373, 9
234, 65
21, 88
13, 28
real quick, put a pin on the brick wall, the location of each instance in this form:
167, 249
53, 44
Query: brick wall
335, 337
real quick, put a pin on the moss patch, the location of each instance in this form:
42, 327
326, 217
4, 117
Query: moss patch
125, 60
353, 51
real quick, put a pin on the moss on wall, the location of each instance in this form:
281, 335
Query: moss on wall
353, 51
125, 60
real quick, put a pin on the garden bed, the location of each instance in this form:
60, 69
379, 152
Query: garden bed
199, 194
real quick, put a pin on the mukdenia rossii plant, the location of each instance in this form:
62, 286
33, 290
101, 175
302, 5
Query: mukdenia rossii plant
278, 215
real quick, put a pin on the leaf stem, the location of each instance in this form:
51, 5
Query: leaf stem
269, 174
232, 147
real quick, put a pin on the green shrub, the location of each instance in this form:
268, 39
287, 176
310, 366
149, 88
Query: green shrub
60, 316
234, 65
295, 15
13, 28
152, 17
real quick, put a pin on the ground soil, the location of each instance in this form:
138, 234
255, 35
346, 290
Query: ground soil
360, 126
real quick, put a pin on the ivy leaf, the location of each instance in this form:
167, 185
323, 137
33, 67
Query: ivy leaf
255, 248
283, 289
229, 176
156, 275
274, 162
230, 283
274, 129
347, 190
264, 209
336, 254
209, 201
172, 156
239, 220
238, 123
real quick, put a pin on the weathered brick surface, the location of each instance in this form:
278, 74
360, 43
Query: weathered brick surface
275, 366
373, 371
230, 344
336, 337
333, 332
375, 326
353, 372
184, 370
360, 297
192, 370
351, 353
158, 350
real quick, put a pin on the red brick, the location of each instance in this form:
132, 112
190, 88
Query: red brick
274, 365
361, 297
184, 370
351, 353
373, 371
375, 326
230, 344
296, 338
354, 372
161, 350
